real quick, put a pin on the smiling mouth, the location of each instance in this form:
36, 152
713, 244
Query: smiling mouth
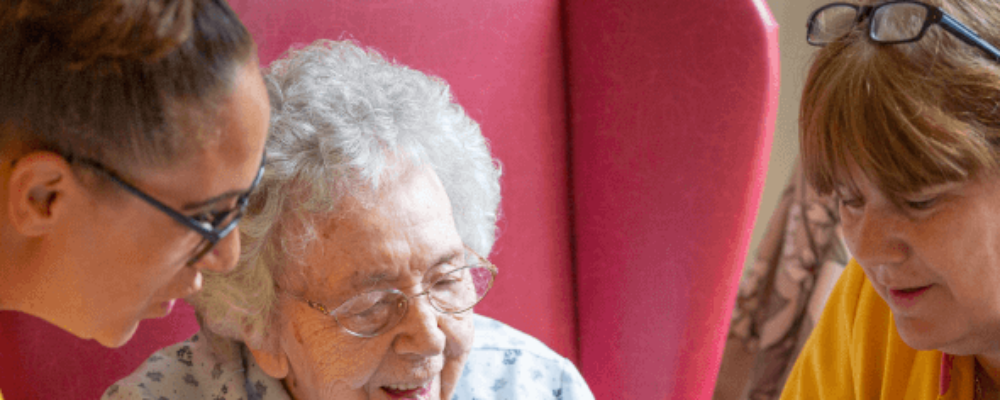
408, 391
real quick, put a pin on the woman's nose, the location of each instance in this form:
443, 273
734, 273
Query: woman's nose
420, 334
223, 257
877, 237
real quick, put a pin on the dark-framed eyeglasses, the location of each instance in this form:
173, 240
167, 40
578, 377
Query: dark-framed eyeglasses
213, 228
453, 291
892, 22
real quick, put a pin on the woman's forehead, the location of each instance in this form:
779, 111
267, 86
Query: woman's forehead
384, 264
850, 179
350, 260
336, 282
408, 230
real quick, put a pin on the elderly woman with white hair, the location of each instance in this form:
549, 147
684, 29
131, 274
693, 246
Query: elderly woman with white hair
362, 255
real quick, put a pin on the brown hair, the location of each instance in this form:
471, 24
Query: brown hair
120, 81
908, 115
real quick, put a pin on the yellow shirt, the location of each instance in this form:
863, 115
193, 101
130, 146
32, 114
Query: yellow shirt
855, 352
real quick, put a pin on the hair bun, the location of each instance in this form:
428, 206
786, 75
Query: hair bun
91, 30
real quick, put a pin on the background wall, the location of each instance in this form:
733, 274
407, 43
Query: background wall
796, 55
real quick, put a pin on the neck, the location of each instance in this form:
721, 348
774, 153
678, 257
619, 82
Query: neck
13, 246
23, 273
10, 265
991, 366
15, 269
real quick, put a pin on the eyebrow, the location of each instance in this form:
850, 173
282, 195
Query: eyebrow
366, 281
360, 282
205, 203
936, 188
446, 258
225, 196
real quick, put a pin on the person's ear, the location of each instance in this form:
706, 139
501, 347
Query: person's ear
274, 364
37, 193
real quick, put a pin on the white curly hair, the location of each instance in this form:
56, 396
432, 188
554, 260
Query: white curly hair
342, 117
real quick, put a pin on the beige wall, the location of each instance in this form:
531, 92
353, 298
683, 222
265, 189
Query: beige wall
796, 55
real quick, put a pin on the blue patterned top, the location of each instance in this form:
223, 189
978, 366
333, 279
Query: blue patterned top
504, 364
507, 364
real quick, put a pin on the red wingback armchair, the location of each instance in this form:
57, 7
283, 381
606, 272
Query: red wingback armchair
634, 137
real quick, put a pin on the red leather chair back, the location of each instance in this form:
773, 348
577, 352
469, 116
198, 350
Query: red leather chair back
673, 106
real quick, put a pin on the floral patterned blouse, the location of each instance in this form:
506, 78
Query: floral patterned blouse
504, 364
508, 364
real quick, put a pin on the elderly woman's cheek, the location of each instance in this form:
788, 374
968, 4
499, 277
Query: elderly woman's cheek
332, 359
459, 331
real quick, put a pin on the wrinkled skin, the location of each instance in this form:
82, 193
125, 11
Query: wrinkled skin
945, 238
410, 230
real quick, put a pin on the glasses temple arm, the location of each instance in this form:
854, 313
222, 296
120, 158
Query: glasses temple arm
968, 36
157, 204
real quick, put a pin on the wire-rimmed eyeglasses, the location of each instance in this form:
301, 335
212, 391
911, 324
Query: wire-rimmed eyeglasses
892, 22
212, 226
452, 291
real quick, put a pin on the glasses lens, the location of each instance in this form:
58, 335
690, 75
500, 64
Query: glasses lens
482, 278
831, 23
370, 313
226, 220
461, 289
199, 252
898, 22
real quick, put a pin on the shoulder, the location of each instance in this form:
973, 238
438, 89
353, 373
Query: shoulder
853, 311
825, 365
855, 351
852, 297
507, 363
494, 335
186, 370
